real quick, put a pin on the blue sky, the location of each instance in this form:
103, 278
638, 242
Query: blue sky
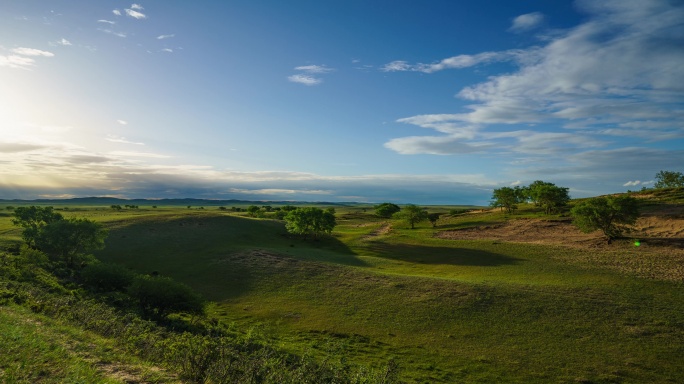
427, 102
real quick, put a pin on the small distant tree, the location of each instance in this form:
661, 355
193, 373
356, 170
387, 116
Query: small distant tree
433, 217
386, 210
610, 214
288, 208
115, 207
253, 210
669, 179
506, 198
412, 214
222, 208
310, 221
9, 208
154, 206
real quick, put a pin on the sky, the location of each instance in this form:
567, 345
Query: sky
404, 101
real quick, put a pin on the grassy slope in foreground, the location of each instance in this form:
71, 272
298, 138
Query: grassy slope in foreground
476, 311
37, 349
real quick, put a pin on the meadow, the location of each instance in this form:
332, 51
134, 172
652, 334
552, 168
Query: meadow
445, 310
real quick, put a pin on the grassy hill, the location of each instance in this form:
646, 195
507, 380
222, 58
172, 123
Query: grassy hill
473, 300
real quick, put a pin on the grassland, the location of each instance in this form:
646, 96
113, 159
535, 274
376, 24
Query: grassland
474, 310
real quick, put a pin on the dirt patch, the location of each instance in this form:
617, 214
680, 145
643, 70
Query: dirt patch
660, 254
662, 229
535, 231
383, 230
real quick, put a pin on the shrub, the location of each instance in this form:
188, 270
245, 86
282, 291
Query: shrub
159, 296
107, 277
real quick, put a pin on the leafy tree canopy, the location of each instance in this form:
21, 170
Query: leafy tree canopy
610, 214
386, 209
33, 219
669, 179
310, 221
412, 214
506, 198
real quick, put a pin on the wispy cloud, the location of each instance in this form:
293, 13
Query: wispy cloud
168, 50
63, 42
122, 122
527, 22
137, 7
123, 140
116, 12
106, 21
570, 92
135, 14
16, 61
455, 62
314, 69
162, 37
305, 79
32, 52
110, 32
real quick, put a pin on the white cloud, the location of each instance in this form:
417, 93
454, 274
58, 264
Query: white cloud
137, 7
106, 21
277, 191
64, 42
169, 50
617, 75
139, 154
116, 12
314, 69
305, 79
119, 139
109, 31
527, 22
135, 14
457, 62
396, 66
15, 61
631, 183
32, 52
162, 37
122, 122
516, 183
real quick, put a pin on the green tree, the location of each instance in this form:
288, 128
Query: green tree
669, 179
386, 209
551, 197
70, 240
107, 277
253, 210
412, 214
433, 217
33, 219
506, 198
610, 214
159, 296
310, 221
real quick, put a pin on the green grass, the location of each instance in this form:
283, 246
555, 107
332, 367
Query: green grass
37, 349
445, 310
475, 311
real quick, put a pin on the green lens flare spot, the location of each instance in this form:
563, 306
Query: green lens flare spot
637, 243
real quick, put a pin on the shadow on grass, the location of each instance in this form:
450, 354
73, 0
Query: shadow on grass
439, 255
221, 256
